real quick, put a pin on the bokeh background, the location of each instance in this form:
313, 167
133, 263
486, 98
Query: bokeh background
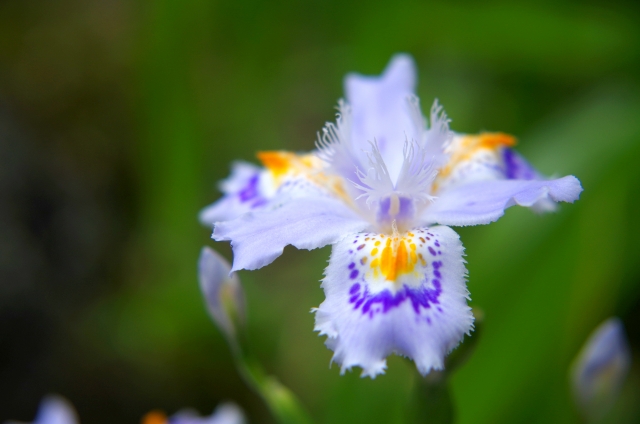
117, 119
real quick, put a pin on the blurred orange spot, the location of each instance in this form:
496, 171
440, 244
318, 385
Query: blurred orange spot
154, 417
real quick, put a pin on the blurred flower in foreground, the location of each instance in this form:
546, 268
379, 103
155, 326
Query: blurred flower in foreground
600, 369
375, 188
53, 410
223, 293
227, 413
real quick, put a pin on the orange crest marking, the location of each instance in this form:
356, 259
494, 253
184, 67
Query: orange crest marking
278, 162
494, 140
397, 257
465, 148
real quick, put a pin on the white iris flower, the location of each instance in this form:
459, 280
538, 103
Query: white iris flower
381, 188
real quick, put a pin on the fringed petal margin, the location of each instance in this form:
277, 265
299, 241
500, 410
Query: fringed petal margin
483, 202
404, 294
259, 237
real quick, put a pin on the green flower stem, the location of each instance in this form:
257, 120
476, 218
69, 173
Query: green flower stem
281, 401
431, 402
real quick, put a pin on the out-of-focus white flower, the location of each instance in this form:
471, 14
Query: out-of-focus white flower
227, 413
600, 369
222, 292
53, 410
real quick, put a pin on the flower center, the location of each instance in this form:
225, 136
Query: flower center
395, 210
391, 261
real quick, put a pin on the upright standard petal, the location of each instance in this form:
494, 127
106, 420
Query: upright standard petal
402, 294
54, 410
381, 111
483, 202
600, 369
222, 292
258, 238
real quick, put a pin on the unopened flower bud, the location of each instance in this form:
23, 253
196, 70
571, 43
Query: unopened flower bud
222, 292
600, 369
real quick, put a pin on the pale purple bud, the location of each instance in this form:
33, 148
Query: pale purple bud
600, 369
222, 292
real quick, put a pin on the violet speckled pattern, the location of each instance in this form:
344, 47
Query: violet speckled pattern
423, 317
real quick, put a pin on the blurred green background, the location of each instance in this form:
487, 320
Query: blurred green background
117, 119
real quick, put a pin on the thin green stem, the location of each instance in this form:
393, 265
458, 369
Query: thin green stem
281, 401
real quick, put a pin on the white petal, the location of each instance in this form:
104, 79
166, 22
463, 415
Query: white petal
247, 188
259, 237
409, 299
481, 157
483, 202
381, 111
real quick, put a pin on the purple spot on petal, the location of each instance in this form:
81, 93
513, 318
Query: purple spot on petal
353, 298
251, 193
433, 252
351, 265
439, 309
354, 274
355, 288
429, 321
361, 247
437, 274
516, 167
350, 251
